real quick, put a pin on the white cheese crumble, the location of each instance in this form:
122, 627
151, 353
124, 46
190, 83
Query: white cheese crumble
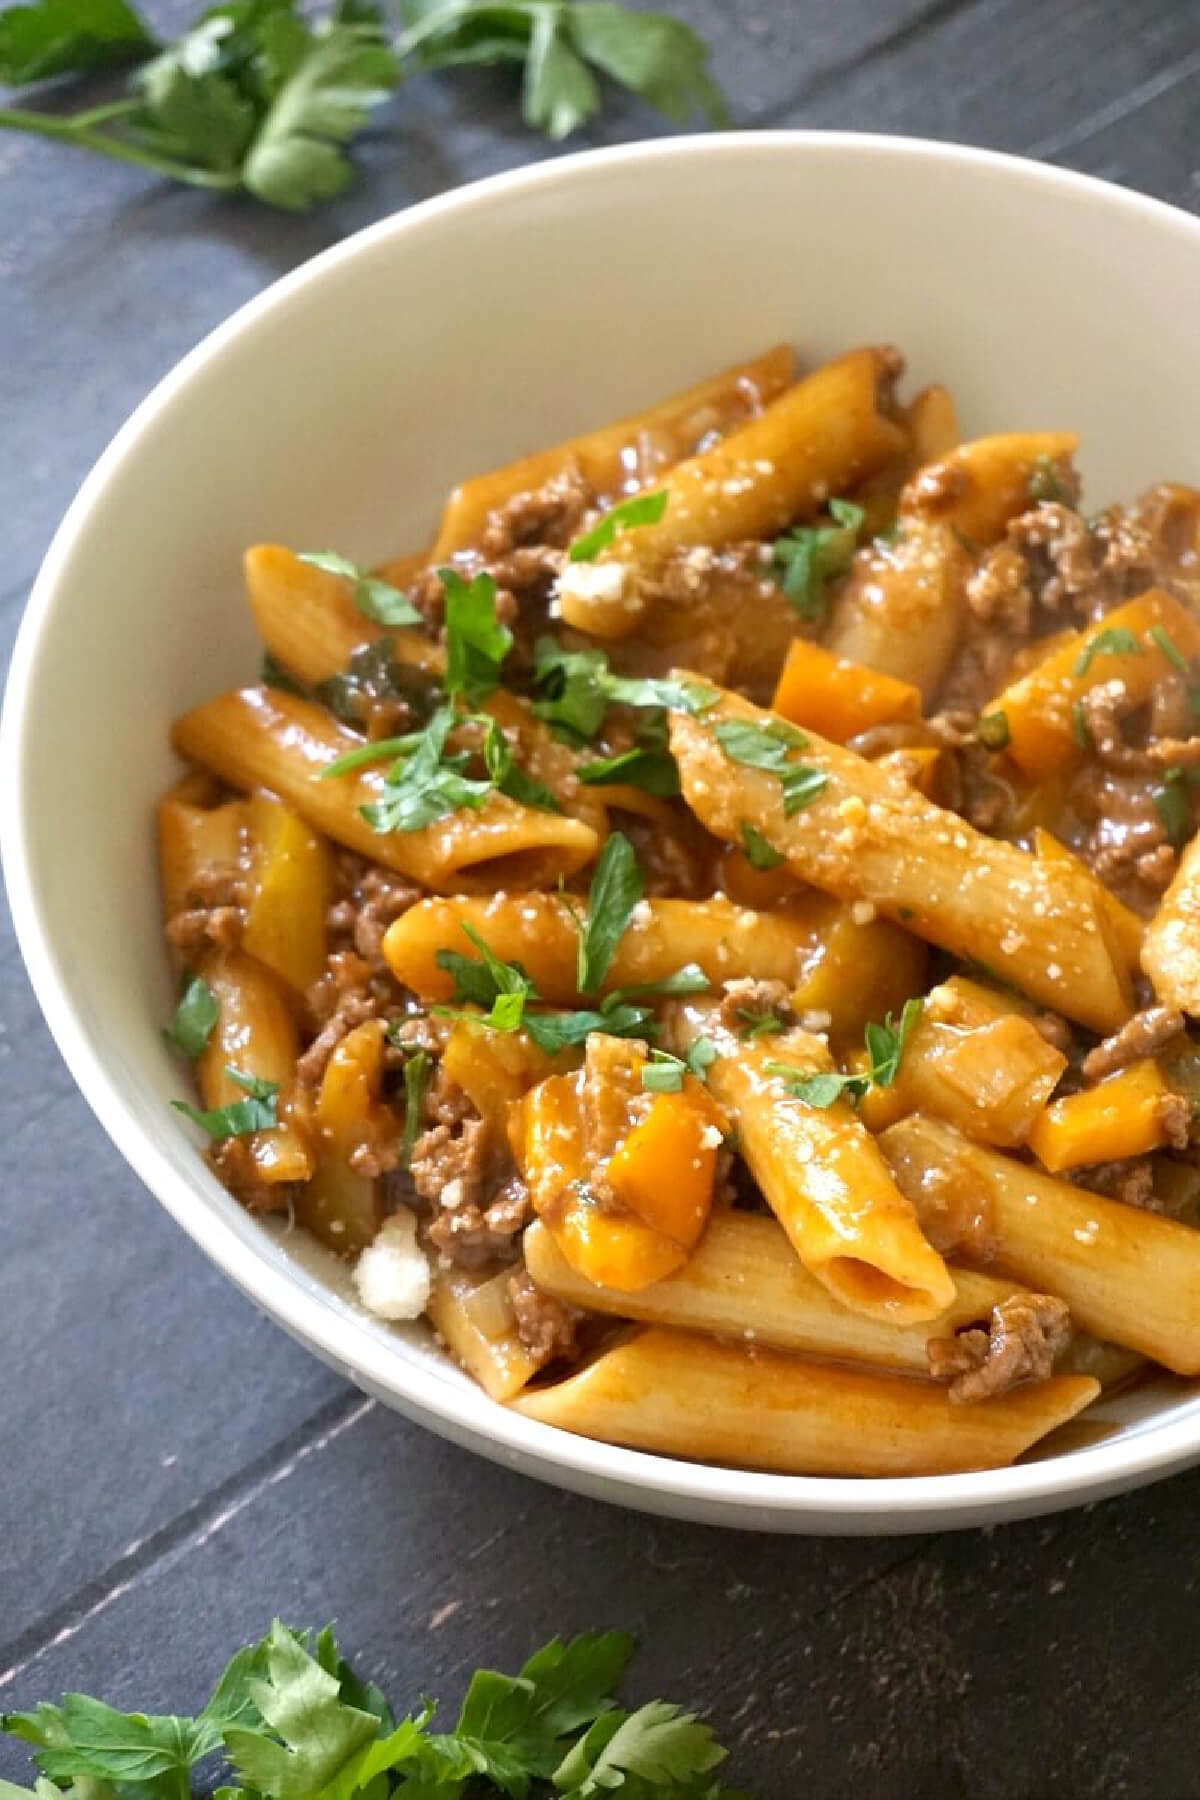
591, 581
392, 1275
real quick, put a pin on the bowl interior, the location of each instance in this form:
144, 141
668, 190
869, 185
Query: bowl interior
340, 408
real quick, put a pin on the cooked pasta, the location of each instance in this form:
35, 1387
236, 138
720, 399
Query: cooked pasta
716, 933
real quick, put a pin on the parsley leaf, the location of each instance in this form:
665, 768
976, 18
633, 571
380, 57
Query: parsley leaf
1046, 483
1158, 634
614, 893
195, 1017
801, 786
808, 557
1079, 726
499, 986
664, 1073
690, 979
555, 1031
654, 771
1172, 803
576, 689
658, 1745
373, 674
318, 1731
67, 37
821, 1088
297, 158
476, 642
626, 515
258, 1112
760, 852
418, 1073
887, 1043
766, 747
1115, 640
426, 784
375, 599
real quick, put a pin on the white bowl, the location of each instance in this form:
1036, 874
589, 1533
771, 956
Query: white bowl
340, 406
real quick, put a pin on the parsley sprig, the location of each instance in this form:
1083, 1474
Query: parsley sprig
575, 689
626, 515
259, 97
1114, 640
257, 1112
296, 1723
807, 558
886, 1045
195, 1017
768, 747
377, 600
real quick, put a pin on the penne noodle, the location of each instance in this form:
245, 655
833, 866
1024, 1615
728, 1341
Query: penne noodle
822, 1175
192, 839
262, 738
902, 608
621, 457
1126, 930
1171, 952
473, 1316
932, 421
538, 931
816, 440
308, 620
743, 1281
978, 487
256, 1034
855, 969
1039, 925
1127, 1275
684, 1395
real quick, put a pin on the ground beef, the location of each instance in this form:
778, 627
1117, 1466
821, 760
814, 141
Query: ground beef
232, 1162
1143, 1035
212, 913
474, 1235
1056, 1031
747, 1000
1024, 1335
1126, 844
344, 973
998, 592
551, 514
545, 1326
353, 1008
1131, 1182
1175, 1117
1057, 549
382, 898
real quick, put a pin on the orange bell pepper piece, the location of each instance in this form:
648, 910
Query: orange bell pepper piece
838, 698
1121, 1117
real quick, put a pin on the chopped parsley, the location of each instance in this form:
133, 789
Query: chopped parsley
426, 783
1173, 804
664, 1073
1079, 726
654, 771
374, 674
1046, 482
418, 1073
1158, 634
376, 600
760, 852
626, 515
575, 689
759, 1024
808, 557
993, 731
476, 642
615, 891
1115, 640
766, 747
195, 1017
886, 1045
257, 1112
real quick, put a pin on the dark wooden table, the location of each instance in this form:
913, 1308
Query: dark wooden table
173, 1470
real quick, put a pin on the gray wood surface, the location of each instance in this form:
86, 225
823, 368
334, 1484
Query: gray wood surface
173, 1471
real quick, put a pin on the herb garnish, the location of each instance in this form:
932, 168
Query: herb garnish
766, 747
1115, 640
418, 1073
259, 97
376, 600
297, 1723
1173, 804
1046, 483
886, 1045
626, 515
258, 1112
1158, 634
808, 557
993, 731
1079, 726
664, 1073
615, 891
195, 1017
760, 852
575, 689
654, 771
374, 674
476, 642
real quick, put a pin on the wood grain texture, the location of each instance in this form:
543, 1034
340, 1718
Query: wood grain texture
174, 1470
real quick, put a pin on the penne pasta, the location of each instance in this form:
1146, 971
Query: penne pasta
902, 609
932, 421
539, 932
624, 456
743, 1282
1171, 952
1040, 925
1127, 1275
473, 1316
261, 738
192, 839
815, 440
978, 487
308, 620
255, 1034
822, 1175
683, 1395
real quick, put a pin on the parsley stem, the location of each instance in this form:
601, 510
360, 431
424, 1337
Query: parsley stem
72, 131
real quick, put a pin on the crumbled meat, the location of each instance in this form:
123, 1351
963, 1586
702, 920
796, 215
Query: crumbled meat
379, 1155
983, 796
1058, 553
212, 911
448, 1164
345, 972
747, 1000
998, 591
1104, 706
232, 1162
1143, 1035
550, 514
473, 1235
545, 1326
453, 1165
420, 1032
382, 898
1175, 1117
1025, 1334
1130, 1181
1126, 845
354, 1007
1155, 869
